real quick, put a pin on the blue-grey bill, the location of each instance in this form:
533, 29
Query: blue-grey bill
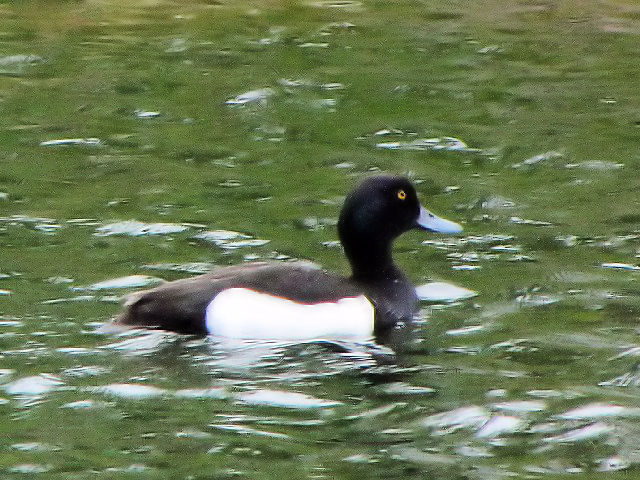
433, 223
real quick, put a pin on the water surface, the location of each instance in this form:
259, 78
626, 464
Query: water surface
152, 140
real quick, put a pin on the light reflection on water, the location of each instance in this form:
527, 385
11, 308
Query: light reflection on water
424, 416
197, 131
270, 390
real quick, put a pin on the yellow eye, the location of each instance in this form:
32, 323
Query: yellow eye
401, 194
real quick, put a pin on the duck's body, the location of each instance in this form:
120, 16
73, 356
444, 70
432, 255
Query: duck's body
296, 301
191, 305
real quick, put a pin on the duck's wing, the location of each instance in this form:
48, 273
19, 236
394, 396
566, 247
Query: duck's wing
181, 305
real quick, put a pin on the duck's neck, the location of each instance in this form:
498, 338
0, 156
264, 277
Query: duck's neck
372, 262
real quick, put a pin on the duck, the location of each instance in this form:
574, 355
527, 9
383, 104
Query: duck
298, 301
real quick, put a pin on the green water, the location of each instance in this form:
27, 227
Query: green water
543, 93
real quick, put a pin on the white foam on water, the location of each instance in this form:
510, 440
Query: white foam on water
135, 228
443, 292
33, 386
282, 399
129, 391
499, 425
130, 281
594, 411
464, 417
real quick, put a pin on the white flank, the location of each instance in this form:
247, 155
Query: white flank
242, 313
